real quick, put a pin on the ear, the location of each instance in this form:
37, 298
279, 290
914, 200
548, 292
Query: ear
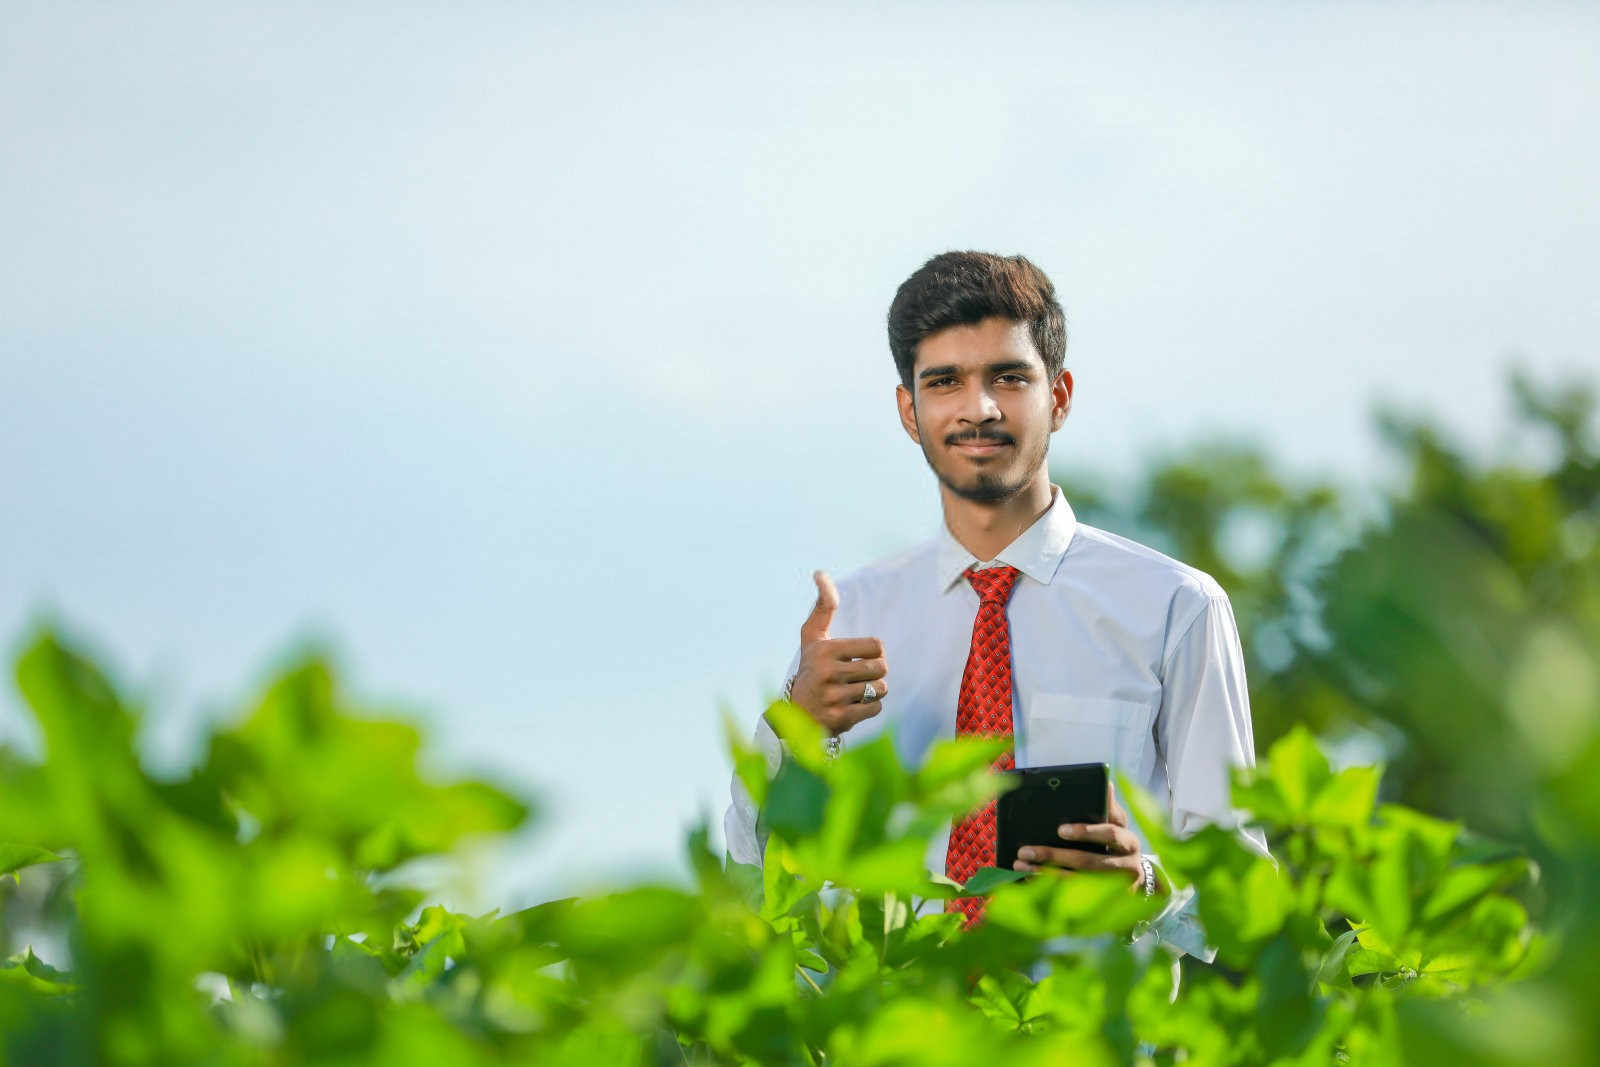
1060, 399
908, 412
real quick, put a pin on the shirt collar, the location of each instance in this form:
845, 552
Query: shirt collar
1036, 552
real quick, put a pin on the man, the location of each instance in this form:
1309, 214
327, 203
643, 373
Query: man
1017, 619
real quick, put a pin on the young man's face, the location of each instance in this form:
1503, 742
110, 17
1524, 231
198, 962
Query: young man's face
983, 408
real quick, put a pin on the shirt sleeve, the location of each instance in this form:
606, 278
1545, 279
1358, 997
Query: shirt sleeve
1204, 723
1204, 731
739, 821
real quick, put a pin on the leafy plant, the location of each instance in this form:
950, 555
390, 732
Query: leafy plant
238, 916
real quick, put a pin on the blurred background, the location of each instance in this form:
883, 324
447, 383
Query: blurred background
532, 357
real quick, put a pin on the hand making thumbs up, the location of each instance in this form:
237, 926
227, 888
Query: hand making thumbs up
839, 681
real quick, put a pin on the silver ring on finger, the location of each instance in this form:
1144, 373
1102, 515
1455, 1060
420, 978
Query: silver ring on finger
869, 694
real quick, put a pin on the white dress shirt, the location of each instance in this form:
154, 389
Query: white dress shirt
1119, 654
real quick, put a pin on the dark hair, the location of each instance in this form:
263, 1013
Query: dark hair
963, 289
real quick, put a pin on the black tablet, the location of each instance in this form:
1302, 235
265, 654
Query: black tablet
1046, 797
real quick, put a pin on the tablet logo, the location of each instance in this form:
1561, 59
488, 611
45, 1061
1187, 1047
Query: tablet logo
1054, 783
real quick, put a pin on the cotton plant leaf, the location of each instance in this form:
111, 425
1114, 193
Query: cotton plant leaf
15, 856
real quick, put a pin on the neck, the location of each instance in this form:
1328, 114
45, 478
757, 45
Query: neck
985, 529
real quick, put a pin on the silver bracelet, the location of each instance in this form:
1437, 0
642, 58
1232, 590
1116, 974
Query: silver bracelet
830, 746
1149, 875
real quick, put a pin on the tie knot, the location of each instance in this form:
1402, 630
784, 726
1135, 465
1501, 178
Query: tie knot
993, 584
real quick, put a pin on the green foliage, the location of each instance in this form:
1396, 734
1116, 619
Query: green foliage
236, 916
257, 869
1452, 620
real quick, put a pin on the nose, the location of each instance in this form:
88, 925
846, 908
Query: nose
978, 406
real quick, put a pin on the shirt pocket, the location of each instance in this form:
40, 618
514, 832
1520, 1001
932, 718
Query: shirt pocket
1062, 728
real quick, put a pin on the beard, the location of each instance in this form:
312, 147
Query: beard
991, 486
986, 488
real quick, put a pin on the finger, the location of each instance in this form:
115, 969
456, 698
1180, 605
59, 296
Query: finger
1118, 839
849, 648
852, 692
1074, 859
860, 670
1115, 812
815, 628
851, 714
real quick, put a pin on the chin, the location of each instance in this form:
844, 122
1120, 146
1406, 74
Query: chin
984, 485
985, 489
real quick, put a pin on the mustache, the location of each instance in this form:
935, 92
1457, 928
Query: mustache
992, 436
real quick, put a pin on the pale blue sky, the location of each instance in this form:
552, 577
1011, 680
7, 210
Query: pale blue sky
537, 355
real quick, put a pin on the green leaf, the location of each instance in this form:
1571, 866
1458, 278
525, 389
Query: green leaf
27, 971
15, 856
800, 733
1003, 998
957, 759
811, 961
1286, 1014
1243, 899
746, 881
1299, 769
626, 928
958, 777
1471, 847
79, 712
1461, 886
1332, 967
985, 879
782, 891
1389, 890
897, 866
795, 801
749, 764
1348, 799
1072, 904
1433, 838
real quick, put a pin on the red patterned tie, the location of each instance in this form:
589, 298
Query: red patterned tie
983, 710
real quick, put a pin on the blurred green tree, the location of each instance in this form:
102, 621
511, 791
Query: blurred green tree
1451, 621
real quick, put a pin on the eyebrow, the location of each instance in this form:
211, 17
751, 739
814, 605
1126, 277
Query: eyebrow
992, 368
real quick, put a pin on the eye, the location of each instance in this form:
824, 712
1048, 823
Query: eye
940, 381
1013, 377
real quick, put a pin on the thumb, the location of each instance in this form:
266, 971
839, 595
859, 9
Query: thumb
815, 628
